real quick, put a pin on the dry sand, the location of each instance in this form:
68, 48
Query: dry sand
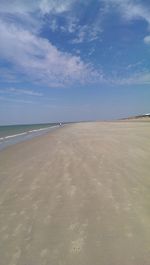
77, 196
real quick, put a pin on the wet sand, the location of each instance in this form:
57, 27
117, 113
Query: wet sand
79, 195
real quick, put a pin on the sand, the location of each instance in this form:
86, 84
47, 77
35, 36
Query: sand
79, 195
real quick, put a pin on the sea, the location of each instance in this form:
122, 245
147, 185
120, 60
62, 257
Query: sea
12, 134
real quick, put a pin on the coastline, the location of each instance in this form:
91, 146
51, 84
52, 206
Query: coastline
78, 195
9, 140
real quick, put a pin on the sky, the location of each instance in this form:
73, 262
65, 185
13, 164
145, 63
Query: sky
73, 60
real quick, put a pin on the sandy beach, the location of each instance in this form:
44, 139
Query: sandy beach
79, 195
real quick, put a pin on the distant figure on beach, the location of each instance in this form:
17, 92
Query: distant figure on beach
60, 124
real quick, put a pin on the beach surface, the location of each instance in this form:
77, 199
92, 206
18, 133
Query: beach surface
79, 195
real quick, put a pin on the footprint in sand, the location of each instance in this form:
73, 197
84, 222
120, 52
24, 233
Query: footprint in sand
77, 245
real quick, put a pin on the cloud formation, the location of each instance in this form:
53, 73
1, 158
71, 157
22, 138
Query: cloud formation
147, 39
41, 61
130, 9
37, 58
17, 91
44, 6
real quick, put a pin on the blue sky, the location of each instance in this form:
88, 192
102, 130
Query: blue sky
64, 60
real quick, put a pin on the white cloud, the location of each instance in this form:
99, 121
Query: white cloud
143, 78
134, 79
21, 92
56, 6
53, 25
130, 9
80, 37
45, 6
70, 10
26, 92
87, 33
36, 57
147, 40
41, 61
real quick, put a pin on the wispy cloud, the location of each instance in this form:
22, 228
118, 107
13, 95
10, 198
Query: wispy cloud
130, 9
16, 100
16, 91
40, 60
138, 78
37, 58
143, 78
147, 39
87, 33
45, 6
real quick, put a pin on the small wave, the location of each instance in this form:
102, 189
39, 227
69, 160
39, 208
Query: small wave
42, 129
25, 133
14, 135
37, 130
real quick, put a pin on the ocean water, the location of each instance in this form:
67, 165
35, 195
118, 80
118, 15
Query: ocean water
12, 134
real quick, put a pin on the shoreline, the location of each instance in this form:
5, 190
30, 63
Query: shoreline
10, 140
24, 136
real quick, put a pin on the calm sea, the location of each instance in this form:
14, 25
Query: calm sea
12, 134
